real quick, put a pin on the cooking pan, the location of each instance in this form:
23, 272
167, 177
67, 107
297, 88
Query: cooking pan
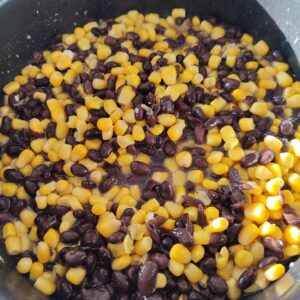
30, 25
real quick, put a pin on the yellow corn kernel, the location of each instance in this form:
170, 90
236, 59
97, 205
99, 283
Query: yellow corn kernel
36, 270
13, 245
259, 108
214, 61
197, 253
138, 133
215, 157
195, 176
273, 143
201, 237
25, 157
51, 237
284, 79
108, 226
222, 258
126, 95
274, 272
180, 254
256, 212
184, 159
248, 234
213, 139
27, 216
218, 225
169, 75
24, 265
261, 48
56, 78
43, 252
143, 246
45, 285
9, 229
263, 173
243, 258
193, 273
220, 168
175, 210
258, 251
233, 291
166, 120
292, 234
76, 275
78, 152
210, 184
286, 160
246, 124
9, 189
122, 262
161, 281
175, 267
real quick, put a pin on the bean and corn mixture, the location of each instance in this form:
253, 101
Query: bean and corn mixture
151, 157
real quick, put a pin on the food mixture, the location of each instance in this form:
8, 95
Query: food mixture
151, 158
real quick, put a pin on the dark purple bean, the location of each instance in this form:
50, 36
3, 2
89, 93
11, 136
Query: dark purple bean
278, 100
90, 263
88, 184
170, 148
230, 84
248, 141
199, 135
30, 187
121, 281
78, 213
217, 285
95, 155
5, 217
160, 259
103, 275
208, 265
116, 237
88, 87
286, 127
166, 191
250, 160
14, 150
266, 156
290, 216
147, 278
247, 278
183, 236
5, 203
64, 288
105, 254
13, 175
217, 239
95, 293
108, 182
58, 210
212, 123
167, 106
183, 285
79, 170
90, 238
69, 236
267, 261
273, 244
106, 149
92, 134
6, 125
200, 162
75, 258
139, 168
85, 227
154, 232
194, 295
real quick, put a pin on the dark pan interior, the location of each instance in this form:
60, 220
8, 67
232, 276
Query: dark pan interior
31, 24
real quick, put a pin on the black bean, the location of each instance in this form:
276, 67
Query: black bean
247, 278
266, 156
217, 239
5, 203
183, 285
217, 285
139, 168
167, 106
291, 216
14, 150
88, 184
160, 259
230, 84
150, 139
95, 155
116, 237
75, 258
250, 160
248, 141
5, 217
166, 191
64, 288
286, 127
106, 149
212, 123
200, 162
90, 238
147, 278
30, 187
85, 227
121, 281
50, 130
6, 125
103, 275
92, 134
79, 170
183, 236
194, 295
267, 261
273, 244
69, 236
108, 182
13, 175
95, 293
58, 210
278, 100
90, 263
169, 148
208, 265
